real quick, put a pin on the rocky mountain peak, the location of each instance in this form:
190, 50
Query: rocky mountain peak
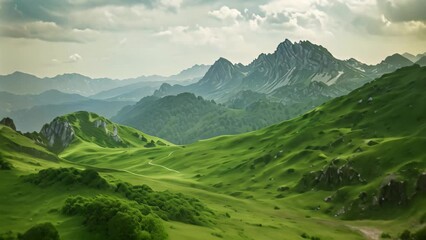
220, 73
59, 134
8, 122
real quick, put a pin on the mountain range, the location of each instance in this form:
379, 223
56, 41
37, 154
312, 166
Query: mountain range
291, 65
352, 168
23, 83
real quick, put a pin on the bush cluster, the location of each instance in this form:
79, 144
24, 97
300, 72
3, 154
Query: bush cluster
43, 231
167, 205
115, 219
68, 176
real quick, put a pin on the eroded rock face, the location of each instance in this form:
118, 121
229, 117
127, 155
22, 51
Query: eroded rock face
393, 192
59, 134
115, 135
101, 124
8, 122
330, 178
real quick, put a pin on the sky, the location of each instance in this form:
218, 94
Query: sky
130, 38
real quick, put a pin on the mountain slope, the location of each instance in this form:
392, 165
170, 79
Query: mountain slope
346, 151
422, 61
186, 118
413, 58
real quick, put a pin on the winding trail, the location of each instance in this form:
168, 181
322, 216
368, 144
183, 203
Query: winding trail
158, 165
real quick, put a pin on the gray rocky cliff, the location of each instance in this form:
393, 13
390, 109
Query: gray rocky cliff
59, 134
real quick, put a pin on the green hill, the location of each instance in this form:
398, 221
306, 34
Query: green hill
87, 129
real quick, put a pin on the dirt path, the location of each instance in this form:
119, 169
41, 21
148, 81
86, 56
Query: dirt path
368, 232
158, 165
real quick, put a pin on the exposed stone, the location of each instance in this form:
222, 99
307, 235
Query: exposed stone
59, 134
282, 188
372, 143
331, 177
328, 199
393, 192
358, 150
8, 122
363, 196
101, 124
115, 135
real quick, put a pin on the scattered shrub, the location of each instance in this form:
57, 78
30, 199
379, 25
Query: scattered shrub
44, 231
385, 235
5, 165
9, 235
420, 235
406, 235
150, 144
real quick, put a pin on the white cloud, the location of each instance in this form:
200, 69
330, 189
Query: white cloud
171, 4
278, 6
74, 57
221, 37
226, 13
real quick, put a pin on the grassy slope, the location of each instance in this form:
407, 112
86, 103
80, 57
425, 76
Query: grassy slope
219, 171
395, 118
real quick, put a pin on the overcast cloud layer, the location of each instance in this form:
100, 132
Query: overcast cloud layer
121, 39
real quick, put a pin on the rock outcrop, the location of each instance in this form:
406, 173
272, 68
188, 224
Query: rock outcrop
330, 178
8, 122
59, 134
101, 124
393, 192
115, 135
